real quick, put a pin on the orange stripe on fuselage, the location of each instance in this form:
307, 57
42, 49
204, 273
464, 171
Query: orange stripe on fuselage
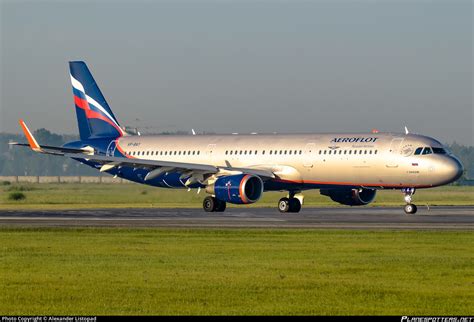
355, 184
122, 151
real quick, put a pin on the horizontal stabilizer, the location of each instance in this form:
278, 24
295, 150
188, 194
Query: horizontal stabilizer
47, 149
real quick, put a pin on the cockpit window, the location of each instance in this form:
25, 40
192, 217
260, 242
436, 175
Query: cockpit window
418, 151
427, 150
439, 151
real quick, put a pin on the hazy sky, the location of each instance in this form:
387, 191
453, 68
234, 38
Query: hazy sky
244, 66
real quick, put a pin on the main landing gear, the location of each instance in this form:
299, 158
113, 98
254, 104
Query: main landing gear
290, 204
211, 204
410, 208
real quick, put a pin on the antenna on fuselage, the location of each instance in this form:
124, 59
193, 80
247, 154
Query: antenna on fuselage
192, 130
406, 130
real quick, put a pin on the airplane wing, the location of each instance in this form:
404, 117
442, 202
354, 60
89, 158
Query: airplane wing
156, 167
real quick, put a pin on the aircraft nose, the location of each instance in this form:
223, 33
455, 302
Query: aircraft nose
454, 169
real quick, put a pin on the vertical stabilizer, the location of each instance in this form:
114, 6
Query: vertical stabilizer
94, 116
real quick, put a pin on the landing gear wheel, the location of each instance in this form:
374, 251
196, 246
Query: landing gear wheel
289, 205
209, 204
220, 205
410, 209
284, 205
295, 205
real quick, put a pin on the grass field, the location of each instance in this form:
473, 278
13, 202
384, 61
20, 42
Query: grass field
177, 271
60, 196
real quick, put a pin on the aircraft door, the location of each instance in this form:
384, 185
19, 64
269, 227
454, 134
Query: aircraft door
308, 159
210, 151
394, 153
111, 148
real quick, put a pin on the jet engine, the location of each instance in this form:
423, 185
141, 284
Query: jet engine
237, 189
350, 197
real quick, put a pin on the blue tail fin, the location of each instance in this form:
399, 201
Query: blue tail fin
94, 116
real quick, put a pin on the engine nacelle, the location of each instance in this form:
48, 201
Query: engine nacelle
237, 189
350, 197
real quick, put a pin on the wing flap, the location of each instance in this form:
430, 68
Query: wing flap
141, 163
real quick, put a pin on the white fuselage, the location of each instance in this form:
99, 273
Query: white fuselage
377, 160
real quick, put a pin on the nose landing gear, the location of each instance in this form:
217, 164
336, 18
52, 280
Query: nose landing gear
409, 207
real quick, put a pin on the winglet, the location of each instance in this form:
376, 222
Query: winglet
31, 139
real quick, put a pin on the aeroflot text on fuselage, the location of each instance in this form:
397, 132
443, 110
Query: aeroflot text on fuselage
352, 140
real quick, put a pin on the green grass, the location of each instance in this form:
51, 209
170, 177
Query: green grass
61, 196
176, 271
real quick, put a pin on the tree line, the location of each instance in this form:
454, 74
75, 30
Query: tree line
20, 161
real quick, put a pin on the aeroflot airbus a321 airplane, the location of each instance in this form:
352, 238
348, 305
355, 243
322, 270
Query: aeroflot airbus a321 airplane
347, 167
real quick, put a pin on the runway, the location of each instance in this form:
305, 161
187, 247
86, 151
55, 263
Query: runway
439, 218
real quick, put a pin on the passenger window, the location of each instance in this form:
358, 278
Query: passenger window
375, 152
365, 151
263, 152
418, 151
255, 151
340, 151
